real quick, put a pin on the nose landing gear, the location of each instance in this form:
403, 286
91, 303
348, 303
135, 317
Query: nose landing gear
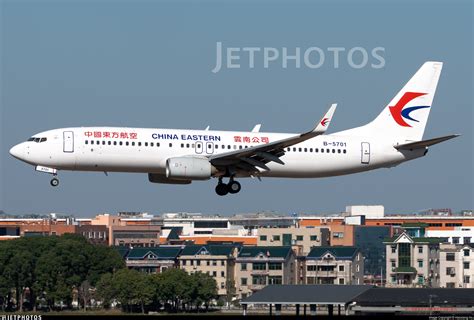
232, 187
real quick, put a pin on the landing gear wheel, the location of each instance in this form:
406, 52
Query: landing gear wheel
222, 189
234, 187
54, 182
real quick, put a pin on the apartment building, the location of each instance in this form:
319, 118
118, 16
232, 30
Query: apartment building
412, 262
456, 265
259, 266
216, 260
334, 265
300, 239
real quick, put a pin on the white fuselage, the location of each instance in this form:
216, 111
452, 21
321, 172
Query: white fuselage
112, 149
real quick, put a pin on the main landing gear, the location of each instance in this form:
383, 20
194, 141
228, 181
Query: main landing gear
54, 182
232, 187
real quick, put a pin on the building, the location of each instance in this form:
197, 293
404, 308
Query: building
96, 234
369, 240
456, 265
334, 265
151, 260
300, 239
460, 235
257, 267
217, 261
412, 262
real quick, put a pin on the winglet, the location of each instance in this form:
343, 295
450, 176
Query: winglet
257, 128
326, 120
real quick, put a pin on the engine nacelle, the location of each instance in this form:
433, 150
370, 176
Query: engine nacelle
161, 178
188, 168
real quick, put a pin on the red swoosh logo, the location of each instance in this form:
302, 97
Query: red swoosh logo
324, 122
396, 110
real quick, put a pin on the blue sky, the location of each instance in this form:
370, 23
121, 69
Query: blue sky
148, 64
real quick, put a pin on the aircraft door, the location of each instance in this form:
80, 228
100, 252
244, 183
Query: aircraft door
209, 147
68, 141
198, 147
365, 153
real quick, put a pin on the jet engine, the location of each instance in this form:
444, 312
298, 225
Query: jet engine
188, 168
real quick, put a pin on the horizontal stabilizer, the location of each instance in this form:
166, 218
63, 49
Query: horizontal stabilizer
424, 143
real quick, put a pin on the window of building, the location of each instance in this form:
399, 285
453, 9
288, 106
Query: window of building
450, 256
467, 252
394, 249
453, 224
467, 265
208, 262
274, 266
341, 280
276, 238
404, 255
456, 240
263, 238
393, 279
222, 263
183, 262
223, 274
243, 281
214, 273
421, 280
357, 268
341, 268
311, 268
299, 238
313, 238
198, 262
210, 224
338, 235
259, 280
243, 266
259, 266
420, 249
393, 264
450, 271
420, 263
467, 279
467, 240
275, 280
214, 262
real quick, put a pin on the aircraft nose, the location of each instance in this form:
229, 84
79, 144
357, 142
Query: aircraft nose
17, 151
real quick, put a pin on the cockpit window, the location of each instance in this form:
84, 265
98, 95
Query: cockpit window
38, 140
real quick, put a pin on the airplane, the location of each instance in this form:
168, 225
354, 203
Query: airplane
172, 156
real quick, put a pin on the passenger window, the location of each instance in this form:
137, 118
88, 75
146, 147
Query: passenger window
115, 143
305, 149
316, 150
240, 147
146, 144
294, 149
120, 143
87, 142
333, 151
310, 149
127, 143
322, 150
182, 145
133, 143
344, 151
228, 146
110, 142
139, 144
338, 150
151, 144
171, 145
299, 149
246, 147
157, 144
187, 145
327, 150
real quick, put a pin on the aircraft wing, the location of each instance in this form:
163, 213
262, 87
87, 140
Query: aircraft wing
254, 159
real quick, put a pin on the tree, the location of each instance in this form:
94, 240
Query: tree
106, 289
205, 288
